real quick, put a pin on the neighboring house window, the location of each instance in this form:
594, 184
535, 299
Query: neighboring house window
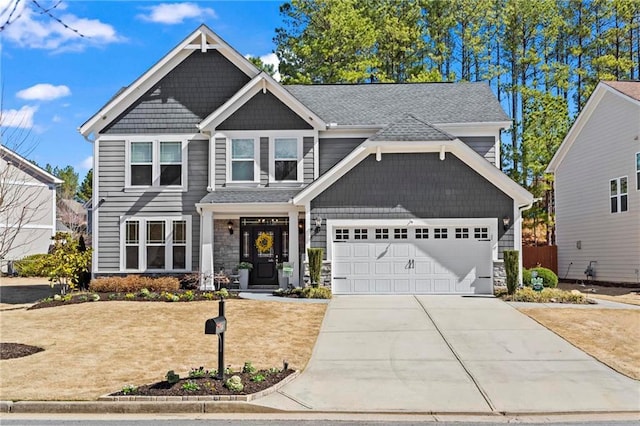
638, 171
286, 157
160, 244
243, 156
156, 164
618, 194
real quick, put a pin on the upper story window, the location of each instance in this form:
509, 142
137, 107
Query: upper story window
156, 164
286, 159
243, 160
618, 194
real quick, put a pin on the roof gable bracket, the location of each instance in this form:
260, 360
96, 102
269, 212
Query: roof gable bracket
442, 151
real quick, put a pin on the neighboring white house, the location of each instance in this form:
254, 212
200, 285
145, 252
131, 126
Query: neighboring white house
27, 207
597, 187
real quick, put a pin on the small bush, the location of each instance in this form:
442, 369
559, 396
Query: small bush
129, 389
315, 256
95, 297
197, 373
188, 296
133, 284
511, 266
248, 368
549, 278
316, 293
234, 383
548, 295
258, 378
526, 277
129, 296
190, 386
144, 293
172, 377
32, 266
223, 292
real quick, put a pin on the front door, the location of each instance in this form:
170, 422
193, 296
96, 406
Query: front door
264, 244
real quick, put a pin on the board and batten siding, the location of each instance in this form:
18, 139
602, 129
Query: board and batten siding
118, 203
405, 186
605, 149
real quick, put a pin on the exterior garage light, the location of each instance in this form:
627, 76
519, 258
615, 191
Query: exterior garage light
318, 222
230, 227
505, 222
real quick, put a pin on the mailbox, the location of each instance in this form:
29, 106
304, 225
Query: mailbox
217, 325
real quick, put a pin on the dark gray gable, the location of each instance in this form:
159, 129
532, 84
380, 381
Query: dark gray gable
264, 112
184, 97
410, 129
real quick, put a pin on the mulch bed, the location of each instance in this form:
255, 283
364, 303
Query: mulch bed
17, 350
209, 386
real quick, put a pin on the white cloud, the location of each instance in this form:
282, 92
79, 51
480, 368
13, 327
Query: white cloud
22, 118
87, 163
38, 31
271, 58
44, 92
175, 13
57, 118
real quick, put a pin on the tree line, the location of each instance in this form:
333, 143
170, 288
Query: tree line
542, 58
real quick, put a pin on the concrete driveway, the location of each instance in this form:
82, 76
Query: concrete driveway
448, 354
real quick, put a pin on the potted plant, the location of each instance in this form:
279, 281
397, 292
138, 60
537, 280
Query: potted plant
283, 282
243, 274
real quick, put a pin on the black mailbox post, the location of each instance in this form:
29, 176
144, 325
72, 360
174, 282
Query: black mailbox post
218, 326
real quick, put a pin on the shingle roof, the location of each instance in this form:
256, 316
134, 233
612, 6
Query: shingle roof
629, 88
253, 195
381, 104
409, 128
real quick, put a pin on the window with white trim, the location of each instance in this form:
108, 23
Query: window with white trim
243, 160
286, 159
156, 163
618, 194
422, 233
400, 233
440, 233
637, 171
481, 233
462, 233
382, 234
342, 234
156, 244
360, 234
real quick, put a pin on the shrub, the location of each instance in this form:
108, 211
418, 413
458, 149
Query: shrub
258, 378
526, 277
315, 264
248, 368
548, 295
190, 281
129, 389
32, 266
67, 263
234, 383
511, 266
549, 278
197, 373
223, 292
190, 386
95, 297
316, 293
133, 284
172, 377
188, 295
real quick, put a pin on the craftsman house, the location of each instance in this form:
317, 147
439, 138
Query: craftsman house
205, 162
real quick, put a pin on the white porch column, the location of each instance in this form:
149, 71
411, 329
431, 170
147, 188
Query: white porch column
517, 237
293, 248
206, 250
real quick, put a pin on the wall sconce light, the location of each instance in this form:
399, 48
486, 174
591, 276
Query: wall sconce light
318, 222
100, 202
505, 222
301, 225
230, 227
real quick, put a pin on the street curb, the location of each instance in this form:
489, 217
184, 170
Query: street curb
5, 406
134, 407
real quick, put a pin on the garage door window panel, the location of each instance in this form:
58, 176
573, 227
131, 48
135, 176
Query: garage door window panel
422, 233
440, 233
400, 234
462, 233
382, 234
342, 234
360, 234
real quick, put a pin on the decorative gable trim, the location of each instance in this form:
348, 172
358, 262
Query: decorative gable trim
455, 147
203, 39
583, 118
264, 82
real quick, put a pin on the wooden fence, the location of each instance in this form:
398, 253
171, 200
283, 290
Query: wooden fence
545, 256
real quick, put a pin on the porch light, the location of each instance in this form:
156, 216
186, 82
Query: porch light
301, 225
505, 222
230, 227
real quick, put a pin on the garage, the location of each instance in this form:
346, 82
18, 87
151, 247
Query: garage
441, 258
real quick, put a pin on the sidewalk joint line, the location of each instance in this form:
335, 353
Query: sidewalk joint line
297, 401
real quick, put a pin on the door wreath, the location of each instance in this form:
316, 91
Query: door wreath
264, 242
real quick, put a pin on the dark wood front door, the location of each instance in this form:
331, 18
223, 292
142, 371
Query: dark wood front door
253, 249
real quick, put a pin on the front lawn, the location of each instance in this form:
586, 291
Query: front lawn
92, 349
609, 335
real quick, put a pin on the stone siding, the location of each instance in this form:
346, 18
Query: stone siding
226, 250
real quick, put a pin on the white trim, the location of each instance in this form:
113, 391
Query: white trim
211, 166
142, 244
491, 223
95, 204
165, 65
153, 136
261, 82
54, 214
619, 195
316, 155
155, 165
299, 159
456, 147
29, 226
24, 183
28, 165
583, 118
247, 209
332, 133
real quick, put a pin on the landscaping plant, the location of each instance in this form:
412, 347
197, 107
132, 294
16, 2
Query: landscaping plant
234, 383
511, 266
66, 263
549, 278
315, 264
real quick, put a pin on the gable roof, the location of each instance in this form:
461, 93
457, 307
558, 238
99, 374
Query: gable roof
202, 38
622, 89
27, 166
409, 128
380, 104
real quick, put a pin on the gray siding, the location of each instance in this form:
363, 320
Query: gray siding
221, 162
183, 98
334, 150
483, 145
264, 161
413, 186
119, 203
264, 112
307, 159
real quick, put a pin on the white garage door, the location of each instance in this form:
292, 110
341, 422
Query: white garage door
412, 260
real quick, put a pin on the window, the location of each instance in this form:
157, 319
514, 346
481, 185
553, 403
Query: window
422, 233
243, 154
618, 194
156, 164
462, 233
400, 234
360, 234
156, 244
382, 234
285, 155
638, 171
342, 234
440, 233
481, 233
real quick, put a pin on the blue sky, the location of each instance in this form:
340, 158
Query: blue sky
53, 80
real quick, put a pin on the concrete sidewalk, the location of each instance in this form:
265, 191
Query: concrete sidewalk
448, 354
